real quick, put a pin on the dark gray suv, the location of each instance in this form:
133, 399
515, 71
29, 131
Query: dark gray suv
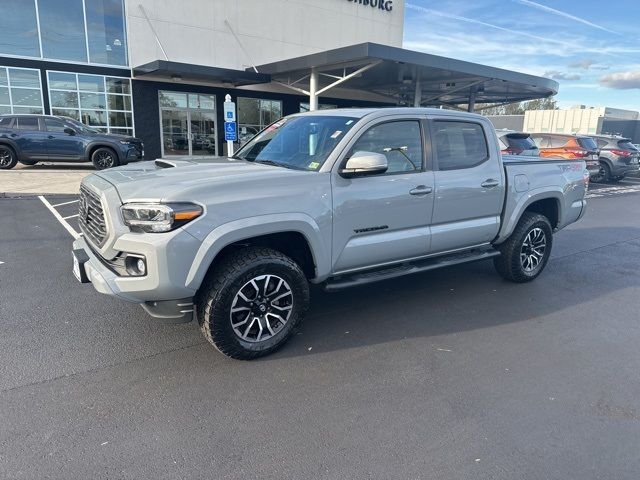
618, 157
30, 139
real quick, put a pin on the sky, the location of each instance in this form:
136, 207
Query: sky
591, 48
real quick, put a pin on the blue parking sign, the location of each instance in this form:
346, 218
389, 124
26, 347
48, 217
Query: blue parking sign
230, 132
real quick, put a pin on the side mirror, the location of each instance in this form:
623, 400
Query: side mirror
364, 163
69, 131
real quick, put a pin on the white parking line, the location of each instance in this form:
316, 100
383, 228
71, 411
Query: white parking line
70, 216
64, 223
64, 203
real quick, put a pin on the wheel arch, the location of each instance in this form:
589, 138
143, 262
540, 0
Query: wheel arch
93, 146
298, 239
547, 203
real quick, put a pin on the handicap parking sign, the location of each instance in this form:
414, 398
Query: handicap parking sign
230, 132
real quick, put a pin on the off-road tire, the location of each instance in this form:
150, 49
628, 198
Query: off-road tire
8, 157
509, 264
215, 298
98, 158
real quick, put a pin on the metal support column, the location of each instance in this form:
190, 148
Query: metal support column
417, 96
313, 90
472, 100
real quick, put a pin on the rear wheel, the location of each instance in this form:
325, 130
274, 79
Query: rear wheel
8, 158
252, 303
104, 157
604, 175
525, 254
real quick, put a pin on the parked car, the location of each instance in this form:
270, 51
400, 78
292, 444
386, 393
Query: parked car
517, 143
569, 147
618, 157
30, 139
333, 197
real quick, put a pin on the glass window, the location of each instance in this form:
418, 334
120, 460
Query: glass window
91, 83
87, 102
54, 125
26, 97
63, 99
65, 112
93, 101
304, 107
20, 77
119, 102
25, 94
400, 142
301, 143
105, 26
62, 30
459, 145
118, 85
28, 123
5, 121
254, 114
19, 33
63, 81
173, 99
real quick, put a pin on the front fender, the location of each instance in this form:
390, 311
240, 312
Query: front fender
101, 143
246, 228
515, 209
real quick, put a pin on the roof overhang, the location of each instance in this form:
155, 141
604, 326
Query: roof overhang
186, 72
402, 75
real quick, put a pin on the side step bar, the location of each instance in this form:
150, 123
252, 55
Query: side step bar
346, 281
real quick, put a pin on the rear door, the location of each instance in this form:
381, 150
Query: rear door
384, 218
469, 185
29, 138
62, 145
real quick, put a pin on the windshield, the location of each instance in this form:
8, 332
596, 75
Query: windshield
80, 126
300, 142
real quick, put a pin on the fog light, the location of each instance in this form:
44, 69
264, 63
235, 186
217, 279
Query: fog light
136, 265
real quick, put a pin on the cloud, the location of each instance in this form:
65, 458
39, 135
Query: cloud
587, 64
560, 13
557, 75
452, 16
621, 80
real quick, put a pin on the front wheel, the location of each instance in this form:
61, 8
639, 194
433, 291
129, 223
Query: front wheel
252, 302
526, 252
104, 157
8, 158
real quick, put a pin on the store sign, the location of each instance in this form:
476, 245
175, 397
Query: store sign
384, 5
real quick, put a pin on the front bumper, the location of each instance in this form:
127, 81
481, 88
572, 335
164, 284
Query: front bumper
162, 291
134, 154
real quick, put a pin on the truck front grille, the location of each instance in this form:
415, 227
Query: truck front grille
91, 217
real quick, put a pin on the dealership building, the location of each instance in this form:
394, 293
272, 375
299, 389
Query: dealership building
160, 69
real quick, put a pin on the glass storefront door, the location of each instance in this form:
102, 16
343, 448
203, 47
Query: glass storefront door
188, 124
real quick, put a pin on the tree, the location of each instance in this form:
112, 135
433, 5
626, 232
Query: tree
518, 108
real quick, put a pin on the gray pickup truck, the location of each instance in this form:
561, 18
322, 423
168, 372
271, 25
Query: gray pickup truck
338, 197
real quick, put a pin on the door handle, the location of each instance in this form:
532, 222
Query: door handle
421, 190
50, 137
490, 183
14, 135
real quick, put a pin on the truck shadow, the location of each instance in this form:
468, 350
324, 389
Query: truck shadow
466, 297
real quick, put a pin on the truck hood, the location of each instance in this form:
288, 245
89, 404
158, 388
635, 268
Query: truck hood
178, 180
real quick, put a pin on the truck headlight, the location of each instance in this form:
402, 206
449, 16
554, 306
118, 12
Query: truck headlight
158, 217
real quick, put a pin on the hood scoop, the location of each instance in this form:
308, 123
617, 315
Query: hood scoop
164, 164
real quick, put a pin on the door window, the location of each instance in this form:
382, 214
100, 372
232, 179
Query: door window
400, 142
53, 125
28, 123
460, 145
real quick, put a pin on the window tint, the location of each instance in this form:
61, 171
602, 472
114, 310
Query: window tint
519, 143
28, 123
626, 144
459, 145
400, 142
5, 121
54, 125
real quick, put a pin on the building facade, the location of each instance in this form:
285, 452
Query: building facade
79, 58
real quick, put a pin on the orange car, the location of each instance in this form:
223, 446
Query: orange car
569, 147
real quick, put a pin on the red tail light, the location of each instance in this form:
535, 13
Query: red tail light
578, 152
621, 153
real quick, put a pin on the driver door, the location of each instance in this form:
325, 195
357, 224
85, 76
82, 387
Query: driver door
60, 144
384, 218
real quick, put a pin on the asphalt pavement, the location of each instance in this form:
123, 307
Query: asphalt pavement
451, 374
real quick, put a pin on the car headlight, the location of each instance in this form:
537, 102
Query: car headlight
158, 217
